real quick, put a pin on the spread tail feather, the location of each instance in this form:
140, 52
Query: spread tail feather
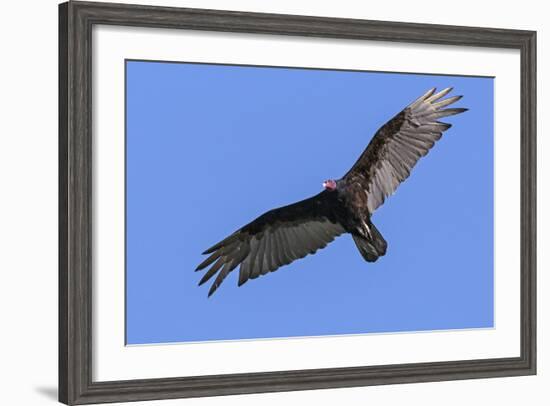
372, 248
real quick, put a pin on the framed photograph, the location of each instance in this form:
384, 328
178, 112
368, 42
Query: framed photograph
256, 202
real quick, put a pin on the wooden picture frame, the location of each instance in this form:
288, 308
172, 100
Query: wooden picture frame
76, 20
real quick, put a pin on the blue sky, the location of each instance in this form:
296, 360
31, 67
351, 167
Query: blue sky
211, 147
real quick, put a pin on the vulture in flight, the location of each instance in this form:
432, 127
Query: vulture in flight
285, 234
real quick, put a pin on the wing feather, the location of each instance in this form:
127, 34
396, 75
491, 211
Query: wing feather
268, 253
212, 271
261, 258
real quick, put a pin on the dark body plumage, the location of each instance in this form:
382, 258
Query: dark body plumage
285, 234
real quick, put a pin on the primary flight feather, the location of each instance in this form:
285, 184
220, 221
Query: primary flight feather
285, 234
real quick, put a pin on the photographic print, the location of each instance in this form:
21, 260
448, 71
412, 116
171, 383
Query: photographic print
328, 202
254, 202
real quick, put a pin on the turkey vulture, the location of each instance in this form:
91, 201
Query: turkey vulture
282, 235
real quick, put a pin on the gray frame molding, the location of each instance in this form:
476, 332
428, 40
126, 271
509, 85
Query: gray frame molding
75, 171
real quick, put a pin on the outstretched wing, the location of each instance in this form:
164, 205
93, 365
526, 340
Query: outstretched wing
399, 144
274, 239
